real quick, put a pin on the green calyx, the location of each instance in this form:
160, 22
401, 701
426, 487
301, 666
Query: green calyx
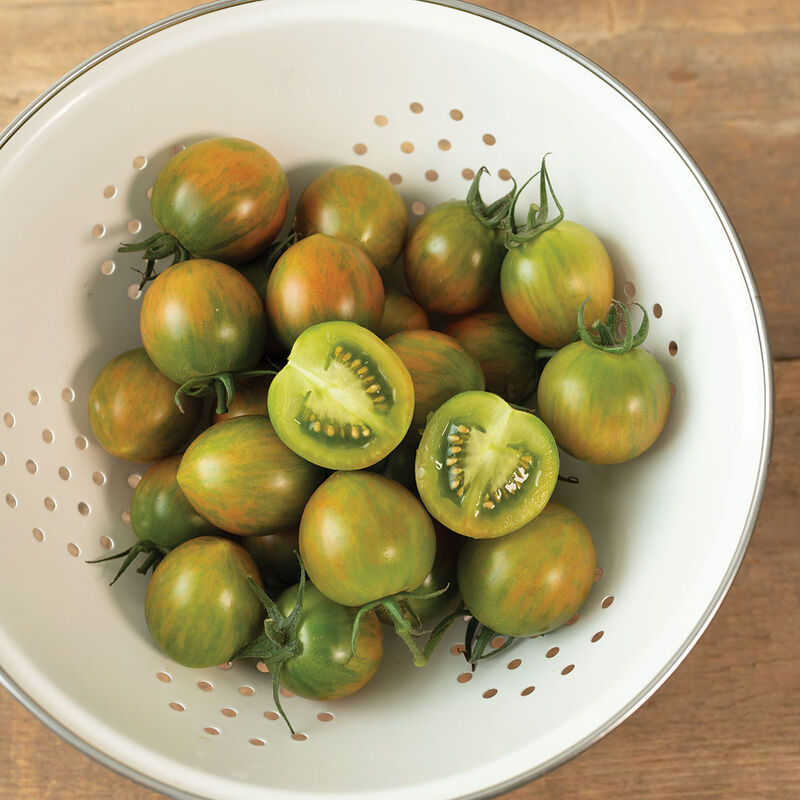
537, 222
278, 642
159, 245
155, 552
478, 637
223, 384
494, 215
406, 623
605, 335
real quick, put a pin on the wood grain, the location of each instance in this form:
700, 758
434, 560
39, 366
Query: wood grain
726, 78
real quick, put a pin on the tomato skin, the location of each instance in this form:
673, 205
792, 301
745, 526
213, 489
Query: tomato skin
243, 479
439, 367
202, 317
160, 512
358, 205
400, 313
326, 668
545, 280
223, 198
364, 537
452, 260
131, 429
532, 580
321, 279
604, 408
199, 607
275, 555
505, 353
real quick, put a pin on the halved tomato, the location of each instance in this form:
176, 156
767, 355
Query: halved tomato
484, 469
344, 400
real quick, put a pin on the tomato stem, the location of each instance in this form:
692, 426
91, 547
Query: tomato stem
477, 638
159, 245
537, 222
223, 384
605, 335
155, 553
494, 215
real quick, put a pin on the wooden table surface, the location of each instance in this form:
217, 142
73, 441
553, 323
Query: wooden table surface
725, 77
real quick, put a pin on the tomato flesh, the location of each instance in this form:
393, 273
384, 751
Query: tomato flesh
344, 400
484, 469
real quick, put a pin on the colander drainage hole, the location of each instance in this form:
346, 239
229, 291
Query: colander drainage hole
164, 677
325, 716
395, 178
50, 503
48, 437
299, 737
212, 731
106, 542
657, 311
552, 652
11, 500
629, 289
99, 478
125, 516
246, 691
489, 693
272, 715
514, 663
81, 442
598, 573
457, 649
381, 121
456, 115
140, 162
38, 534
418, 207
84, 509
673, 348
73, 549
444, 144
607, 601
99, 231
598, 636
133, 479
467, 173
257, 742
488, 139
30, 465
64, 473
3, 460
110, 191
176, 706
527, 690
464, 677
34, 398
568, 669
228, 712
205, 686
9, 419
285, 692
68, 394
416, 108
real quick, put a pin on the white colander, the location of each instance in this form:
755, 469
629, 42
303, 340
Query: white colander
425, 92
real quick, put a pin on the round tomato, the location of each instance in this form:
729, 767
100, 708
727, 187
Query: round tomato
532, 580
453, 256
326, 668
128, 427
604, 404
483, 468
400, 313
224, 198
439, 367
201, 318
358, 205
544, 281
344, 400
199, 606
276, 557
505, 353
243, 479
320, 279
364, 537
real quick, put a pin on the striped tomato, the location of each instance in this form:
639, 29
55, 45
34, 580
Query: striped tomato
199, 606
320, 279
440, 368
400, 313
532, 580
200, 318
132, 409
358, 205
224, 198
243, 479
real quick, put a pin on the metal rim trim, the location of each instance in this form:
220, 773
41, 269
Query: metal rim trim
758, 313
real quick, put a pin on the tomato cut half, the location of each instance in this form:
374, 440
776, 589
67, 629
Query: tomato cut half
344, 400
483, 468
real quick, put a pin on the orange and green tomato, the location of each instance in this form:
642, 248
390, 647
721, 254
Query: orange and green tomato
452, 260
200, 318
602, 407
532, 580
160, 512
544, 281
505, 353
344, 400
223, 198
483, 468
439, 367
321, 279
198, 606
364, 537
358, 205
326, 668
243, 479
132, 409
400, 313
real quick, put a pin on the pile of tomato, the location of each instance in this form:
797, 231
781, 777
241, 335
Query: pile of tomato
334, 454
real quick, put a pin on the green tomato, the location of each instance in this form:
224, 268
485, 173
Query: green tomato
129, 428
603, 407
199, 606
544, 281
364, 537
344, 400
484, 469
532, 580
243, 479
276, 557
326, 667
